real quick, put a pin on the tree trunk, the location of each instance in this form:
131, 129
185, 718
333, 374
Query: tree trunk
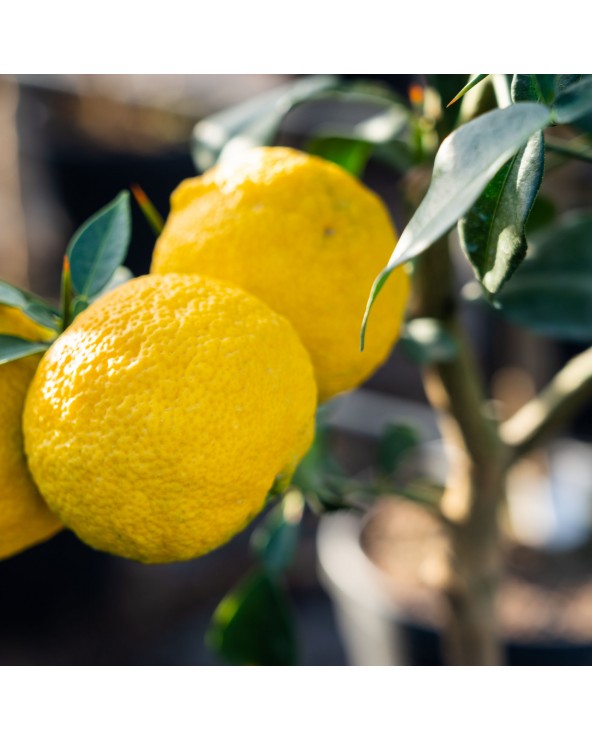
475, 487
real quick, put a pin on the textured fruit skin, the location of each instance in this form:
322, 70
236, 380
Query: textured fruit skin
304, 236
25, 519
158, 421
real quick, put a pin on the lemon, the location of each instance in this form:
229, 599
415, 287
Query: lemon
304, 236
159, 420
25, 519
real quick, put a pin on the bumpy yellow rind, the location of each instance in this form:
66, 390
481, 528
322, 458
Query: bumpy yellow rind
25, 519
158, 422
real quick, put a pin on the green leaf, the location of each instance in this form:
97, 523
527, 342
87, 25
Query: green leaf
13, 348
551, 294
32, 306
426, 342
469, 86
395, 443
465, 162
574, 102
100, 246
255, 122
385, 134
492, 232
541, 88
275, 540
253, 624
350, 154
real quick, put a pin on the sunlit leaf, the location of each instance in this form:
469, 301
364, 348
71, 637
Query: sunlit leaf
253, 624
100, 246
13, 348
254, 122
465, 162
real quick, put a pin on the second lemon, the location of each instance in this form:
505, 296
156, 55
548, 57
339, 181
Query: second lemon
304, 236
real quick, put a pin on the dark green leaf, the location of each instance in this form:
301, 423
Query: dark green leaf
350, 154
77, 306
492, 232
465, 162
276, 538
253, 624
552, 292
35, 308
426, 341
540, 88
395, 443
469, 86
13, 348
574, 102
100, 246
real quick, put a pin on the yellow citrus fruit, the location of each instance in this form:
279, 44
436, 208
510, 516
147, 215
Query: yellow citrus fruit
304, 236
25, 519
159, 420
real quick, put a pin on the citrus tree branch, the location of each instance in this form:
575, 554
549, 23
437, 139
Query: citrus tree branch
538, 419
475, 485
453, 387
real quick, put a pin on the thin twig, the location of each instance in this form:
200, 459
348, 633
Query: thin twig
531, 425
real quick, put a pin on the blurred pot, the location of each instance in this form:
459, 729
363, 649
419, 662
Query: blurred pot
376, 630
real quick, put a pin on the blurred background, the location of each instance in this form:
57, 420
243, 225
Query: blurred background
70, 143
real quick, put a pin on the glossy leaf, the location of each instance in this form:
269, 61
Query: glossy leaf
275, 540
13, 348
469, 86
551, 294
395, 443
465, 162
574, 102
100, 246
253, 624
32, 306
492, 233
426, 341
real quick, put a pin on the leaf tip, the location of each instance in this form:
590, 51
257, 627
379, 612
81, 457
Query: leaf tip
375, 290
